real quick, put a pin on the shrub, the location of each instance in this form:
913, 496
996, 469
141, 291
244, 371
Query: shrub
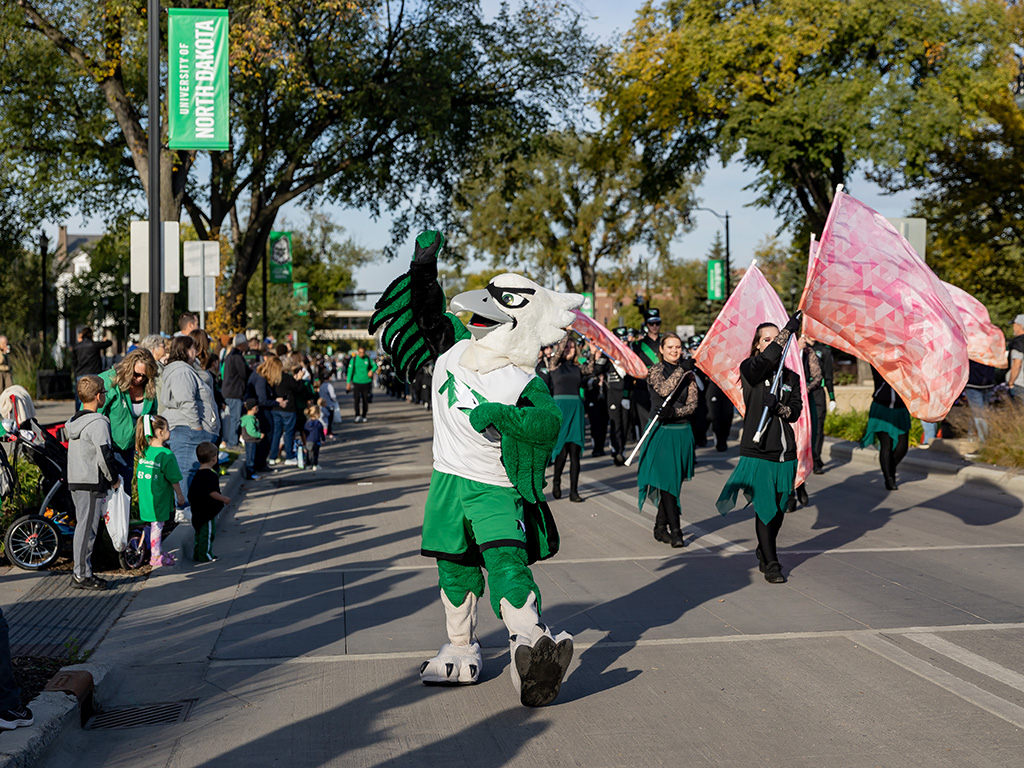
1005, 442
850, 425
25, 364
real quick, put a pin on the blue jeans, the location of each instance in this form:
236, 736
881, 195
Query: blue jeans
930, 431
978, 400
250, 459
232, 422
183, 445
284, 428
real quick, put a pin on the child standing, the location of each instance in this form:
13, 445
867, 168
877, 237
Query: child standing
314, 435
159, 482
92, 472
206, 500
328, 406
251, 436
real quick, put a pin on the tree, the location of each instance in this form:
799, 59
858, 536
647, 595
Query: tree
372, 103
567, 208
805, 91
322, 258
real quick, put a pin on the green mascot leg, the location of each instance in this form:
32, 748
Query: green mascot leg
458, 580
509, 577
539, 658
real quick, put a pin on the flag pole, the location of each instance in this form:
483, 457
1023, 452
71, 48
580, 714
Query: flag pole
657, 415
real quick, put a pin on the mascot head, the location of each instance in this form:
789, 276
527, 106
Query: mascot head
511, 319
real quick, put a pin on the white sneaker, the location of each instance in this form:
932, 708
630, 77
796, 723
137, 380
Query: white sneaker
274, 461
291, 462
315, 468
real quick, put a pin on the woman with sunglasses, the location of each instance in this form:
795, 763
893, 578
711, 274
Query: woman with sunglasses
131, 393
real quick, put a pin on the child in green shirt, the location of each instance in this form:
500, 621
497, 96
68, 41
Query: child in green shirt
158, 481
251, 436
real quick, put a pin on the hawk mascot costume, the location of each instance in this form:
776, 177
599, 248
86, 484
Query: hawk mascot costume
495, 424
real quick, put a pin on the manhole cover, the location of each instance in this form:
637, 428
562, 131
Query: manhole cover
136, 717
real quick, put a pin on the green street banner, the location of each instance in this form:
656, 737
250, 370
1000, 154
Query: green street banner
716, 280
301, 293
280, 266
197, 80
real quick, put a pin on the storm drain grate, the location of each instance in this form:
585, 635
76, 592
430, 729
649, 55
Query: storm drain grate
137, 717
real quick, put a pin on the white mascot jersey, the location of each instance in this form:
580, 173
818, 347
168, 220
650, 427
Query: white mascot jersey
458, 448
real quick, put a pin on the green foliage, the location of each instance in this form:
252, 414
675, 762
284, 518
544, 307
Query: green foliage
847, 424
561, 211
25, 500
806, 91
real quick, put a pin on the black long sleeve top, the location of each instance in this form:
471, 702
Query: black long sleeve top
756, 373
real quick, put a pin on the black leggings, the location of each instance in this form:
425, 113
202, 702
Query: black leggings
573, 452
668, 512
361, 395
888, 457
767, 534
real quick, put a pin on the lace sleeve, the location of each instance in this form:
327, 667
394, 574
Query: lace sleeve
663, 386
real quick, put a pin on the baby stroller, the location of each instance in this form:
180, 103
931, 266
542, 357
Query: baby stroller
35, 539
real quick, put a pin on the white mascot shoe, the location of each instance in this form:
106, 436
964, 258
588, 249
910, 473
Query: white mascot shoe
538, 660
459, 661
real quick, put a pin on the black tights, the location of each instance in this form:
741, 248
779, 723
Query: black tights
888, 457
767, 534
668, 512
573, 452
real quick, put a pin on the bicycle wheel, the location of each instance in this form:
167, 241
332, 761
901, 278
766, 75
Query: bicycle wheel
136, 554
33, 542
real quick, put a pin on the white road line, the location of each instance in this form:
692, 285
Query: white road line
969, 659
689, 551
969, 692
862, 637
629, 502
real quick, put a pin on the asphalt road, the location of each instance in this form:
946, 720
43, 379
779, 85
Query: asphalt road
895, 642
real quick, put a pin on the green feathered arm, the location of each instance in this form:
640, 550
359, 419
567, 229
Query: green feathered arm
529, 431
411, 312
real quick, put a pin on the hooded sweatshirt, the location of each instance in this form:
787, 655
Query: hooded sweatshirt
91, 463
181, 402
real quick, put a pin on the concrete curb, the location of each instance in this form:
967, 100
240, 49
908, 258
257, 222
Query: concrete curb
961, 471
53, 711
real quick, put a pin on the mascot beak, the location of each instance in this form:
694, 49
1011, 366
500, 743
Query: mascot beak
486, 314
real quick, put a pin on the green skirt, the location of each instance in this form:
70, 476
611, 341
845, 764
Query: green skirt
765, 484
571, 431
892, 421
666, 461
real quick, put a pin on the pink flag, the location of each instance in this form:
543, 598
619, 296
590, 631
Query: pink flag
728, 343
870, 295
986, 343
609, 343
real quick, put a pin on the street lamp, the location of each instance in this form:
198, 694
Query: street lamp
125, 282
728, 267
44, 246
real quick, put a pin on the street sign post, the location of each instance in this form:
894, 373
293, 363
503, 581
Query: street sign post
716, 280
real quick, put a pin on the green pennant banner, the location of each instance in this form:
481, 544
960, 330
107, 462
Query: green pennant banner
197, 81
280, 265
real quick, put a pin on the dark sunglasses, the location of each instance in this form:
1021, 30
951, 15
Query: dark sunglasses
140, 376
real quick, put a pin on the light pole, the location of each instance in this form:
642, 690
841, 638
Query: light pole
44, 246
728, 267
125, 282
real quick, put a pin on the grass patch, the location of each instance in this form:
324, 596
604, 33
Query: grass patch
850, 425
1005, 443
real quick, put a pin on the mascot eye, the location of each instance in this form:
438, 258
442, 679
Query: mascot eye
512, 300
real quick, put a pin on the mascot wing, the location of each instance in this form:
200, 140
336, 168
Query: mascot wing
411, 314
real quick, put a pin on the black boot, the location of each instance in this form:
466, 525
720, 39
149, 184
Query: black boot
556, 488
675, 538
661, 534
890, 484
773, 574
573, 496
760, 559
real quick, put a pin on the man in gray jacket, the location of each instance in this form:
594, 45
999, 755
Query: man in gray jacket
92, 473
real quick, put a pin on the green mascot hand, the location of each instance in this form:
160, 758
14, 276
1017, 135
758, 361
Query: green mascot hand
428, 244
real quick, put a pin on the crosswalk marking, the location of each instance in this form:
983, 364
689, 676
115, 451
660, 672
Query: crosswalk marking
969, 659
